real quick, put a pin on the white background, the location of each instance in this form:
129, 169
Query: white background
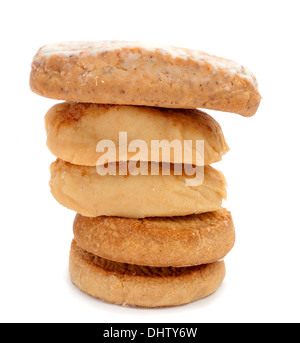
262, 168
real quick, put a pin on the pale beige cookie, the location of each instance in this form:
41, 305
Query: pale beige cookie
132, 285
139, 73
160, 242
83, 190
74, 130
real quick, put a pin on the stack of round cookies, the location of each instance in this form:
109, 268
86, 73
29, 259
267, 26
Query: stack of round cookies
150, 229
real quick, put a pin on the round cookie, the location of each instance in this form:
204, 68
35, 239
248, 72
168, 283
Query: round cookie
132, 285
74, 130
159, 242
139, 73
83, 190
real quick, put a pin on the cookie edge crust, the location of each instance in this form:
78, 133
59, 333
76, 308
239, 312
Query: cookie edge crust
143, 291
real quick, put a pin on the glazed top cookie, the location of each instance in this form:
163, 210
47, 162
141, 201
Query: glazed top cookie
139, 73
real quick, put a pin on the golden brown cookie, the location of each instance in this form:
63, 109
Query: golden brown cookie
83, 190
139, 73
159, 242
132, 285
74, 130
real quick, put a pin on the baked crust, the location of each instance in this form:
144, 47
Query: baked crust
137, 73
132, 285
160, 242
83, 190
74, 130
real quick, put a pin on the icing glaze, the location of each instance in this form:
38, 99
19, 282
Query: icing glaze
92, 48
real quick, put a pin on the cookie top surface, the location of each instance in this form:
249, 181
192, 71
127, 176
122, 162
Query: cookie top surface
83, 48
